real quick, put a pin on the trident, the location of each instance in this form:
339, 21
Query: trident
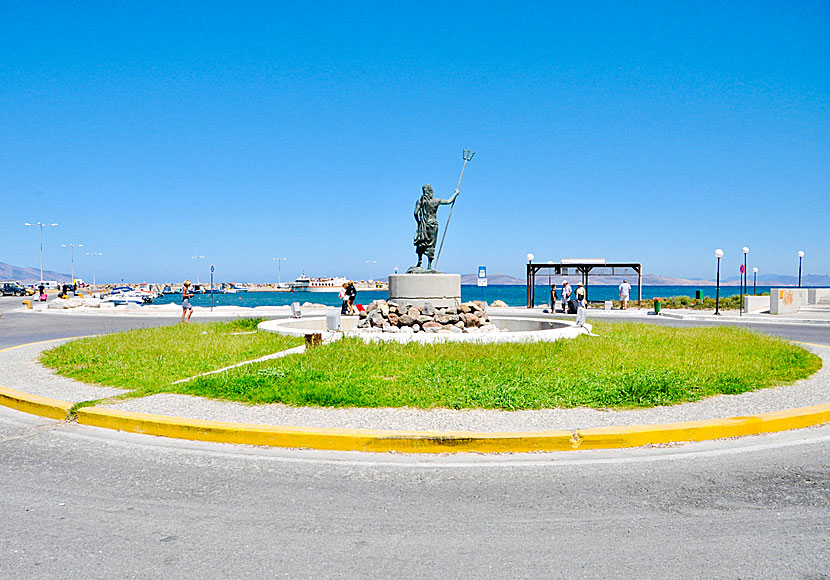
467, 155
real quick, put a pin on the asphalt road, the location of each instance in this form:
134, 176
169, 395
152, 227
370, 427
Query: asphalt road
81, 502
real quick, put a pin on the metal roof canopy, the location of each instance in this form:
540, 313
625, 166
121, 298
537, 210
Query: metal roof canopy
583, 267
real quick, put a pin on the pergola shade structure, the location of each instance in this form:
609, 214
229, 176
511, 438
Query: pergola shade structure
583, 268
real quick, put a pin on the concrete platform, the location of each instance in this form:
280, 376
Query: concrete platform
438, 289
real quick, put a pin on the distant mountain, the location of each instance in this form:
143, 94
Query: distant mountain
493, 279
655, 280
30, 275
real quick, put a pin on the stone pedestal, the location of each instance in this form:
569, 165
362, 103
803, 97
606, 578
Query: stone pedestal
438, 289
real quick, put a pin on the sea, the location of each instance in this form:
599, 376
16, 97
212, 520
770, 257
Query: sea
512, 295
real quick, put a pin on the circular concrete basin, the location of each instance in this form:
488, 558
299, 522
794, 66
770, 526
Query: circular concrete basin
511, 329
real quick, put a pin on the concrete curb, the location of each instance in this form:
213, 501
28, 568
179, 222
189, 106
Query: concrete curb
378, 441
34, 404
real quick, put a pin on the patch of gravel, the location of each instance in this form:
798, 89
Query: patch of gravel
21, 371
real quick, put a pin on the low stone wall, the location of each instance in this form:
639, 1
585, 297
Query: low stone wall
818, 296
787, 300
756, 303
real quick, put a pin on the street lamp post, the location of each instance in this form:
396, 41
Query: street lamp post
800, 257
552, 305
744, 281
371, 269
41, 242
197, 258
531, 283
754, 281
73, 246
718, 255
93, 254
279, 269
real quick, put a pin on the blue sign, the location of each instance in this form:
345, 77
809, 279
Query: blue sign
212, 269
482, 276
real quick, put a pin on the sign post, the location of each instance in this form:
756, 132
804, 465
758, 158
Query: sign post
741, 307
212, 269
482, 280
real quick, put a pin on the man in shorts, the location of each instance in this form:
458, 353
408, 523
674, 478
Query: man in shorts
625, 292
566, 295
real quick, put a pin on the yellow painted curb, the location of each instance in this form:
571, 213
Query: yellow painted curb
449, 442
34, 404
327, 439
636, 436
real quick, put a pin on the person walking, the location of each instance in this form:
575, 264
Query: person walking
580, 295
351, 294
625, 292
566, 295
343, 296
553, 298
187, 308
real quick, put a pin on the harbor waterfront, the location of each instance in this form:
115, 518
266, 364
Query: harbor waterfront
512, 295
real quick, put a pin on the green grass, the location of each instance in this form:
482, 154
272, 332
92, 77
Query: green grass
629, 365
148, 358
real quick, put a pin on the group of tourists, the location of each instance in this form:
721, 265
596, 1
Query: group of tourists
580, 296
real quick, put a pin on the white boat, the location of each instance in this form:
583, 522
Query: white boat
126, 295
148, 292
306, 284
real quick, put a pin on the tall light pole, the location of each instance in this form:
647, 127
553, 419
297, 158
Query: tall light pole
531, 290
800, 257
371, 269
197, 258
744, 281
73, 246
754, 280
41, 242
93, 254
279, 269
552, 305
718, 255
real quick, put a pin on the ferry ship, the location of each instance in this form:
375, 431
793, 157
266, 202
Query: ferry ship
306, 284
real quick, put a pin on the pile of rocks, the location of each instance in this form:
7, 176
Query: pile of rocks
383, 316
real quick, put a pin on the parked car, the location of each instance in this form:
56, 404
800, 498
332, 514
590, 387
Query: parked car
12, 288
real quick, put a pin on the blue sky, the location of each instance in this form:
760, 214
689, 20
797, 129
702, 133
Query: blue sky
651, 132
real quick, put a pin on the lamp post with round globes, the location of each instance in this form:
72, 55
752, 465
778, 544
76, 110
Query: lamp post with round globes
279, 262
41, 225
531, 282
718, 255
94, 283
754, 281
800, 257
73, 246
744, 281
